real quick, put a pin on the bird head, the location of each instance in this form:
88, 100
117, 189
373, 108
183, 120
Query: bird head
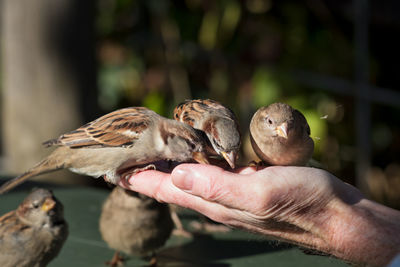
277, 120
182, 143
41, 209
224, 136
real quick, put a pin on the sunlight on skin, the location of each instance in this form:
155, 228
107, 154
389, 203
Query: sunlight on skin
305, 206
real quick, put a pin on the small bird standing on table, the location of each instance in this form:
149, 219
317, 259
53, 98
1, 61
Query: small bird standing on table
218, 122
119, 144
134, 224
34, 233
280, 135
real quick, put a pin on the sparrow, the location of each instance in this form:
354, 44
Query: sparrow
134, 224
34, 233
218, 122
280, 135
118, 144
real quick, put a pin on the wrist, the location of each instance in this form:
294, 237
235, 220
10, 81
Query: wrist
364, 232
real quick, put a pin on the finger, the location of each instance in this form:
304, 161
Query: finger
158, 185
214, 184
246, 170
151, 183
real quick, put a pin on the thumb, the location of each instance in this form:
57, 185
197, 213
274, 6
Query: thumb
215, 184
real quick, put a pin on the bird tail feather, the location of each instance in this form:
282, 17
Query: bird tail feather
42, 167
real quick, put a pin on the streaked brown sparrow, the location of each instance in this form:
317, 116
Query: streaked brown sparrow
218, 122
280, 135
120, 143
134, 224
34, 233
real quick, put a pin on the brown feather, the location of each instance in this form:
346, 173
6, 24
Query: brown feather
217, 121
46, 165
191, 110
124, 137
296, 149
119, 128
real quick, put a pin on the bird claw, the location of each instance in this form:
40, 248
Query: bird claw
117, 260
153, 261
130, 173
182, 233
179, 229
259, 165
210, 227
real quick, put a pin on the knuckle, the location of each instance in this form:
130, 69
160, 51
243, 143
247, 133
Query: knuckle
260, 198
157, 192
158, 198
222, 218
212, 191
219, 216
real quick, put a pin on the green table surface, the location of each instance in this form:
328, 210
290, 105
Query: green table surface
84, 246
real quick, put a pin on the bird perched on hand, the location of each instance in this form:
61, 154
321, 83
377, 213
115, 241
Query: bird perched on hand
118, 144
134, 224
218, 122
34, 233
280, 135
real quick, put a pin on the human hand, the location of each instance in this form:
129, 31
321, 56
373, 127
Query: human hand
305, 206
249, 199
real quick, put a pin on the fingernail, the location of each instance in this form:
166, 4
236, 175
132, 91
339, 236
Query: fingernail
183, 179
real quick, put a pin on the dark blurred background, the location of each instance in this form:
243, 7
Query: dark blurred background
66, 62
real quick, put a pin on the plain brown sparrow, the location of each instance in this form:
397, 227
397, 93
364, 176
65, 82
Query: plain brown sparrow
280, 135
34, 233
134, 224
118, 144
218, 122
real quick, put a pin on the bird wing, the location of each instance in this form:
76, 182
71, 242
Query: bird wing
9, 226
302, 121
181, 113
191, 111
120, 128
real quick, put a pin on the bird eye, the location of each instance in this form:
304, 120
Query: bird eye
192, 146
269, 121
216, 143
35, 204
176, 115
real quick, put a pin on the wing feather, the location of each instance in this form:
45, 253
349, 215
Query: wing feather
120, 128
190, 110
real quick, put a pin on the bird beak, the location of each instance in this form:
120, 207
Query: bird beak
48, 204
230, 158
282, 130
200, 157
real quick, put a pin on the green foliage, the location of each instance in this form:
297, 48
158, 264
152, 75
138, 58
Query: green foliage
155, 101
266, 88
319, 129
